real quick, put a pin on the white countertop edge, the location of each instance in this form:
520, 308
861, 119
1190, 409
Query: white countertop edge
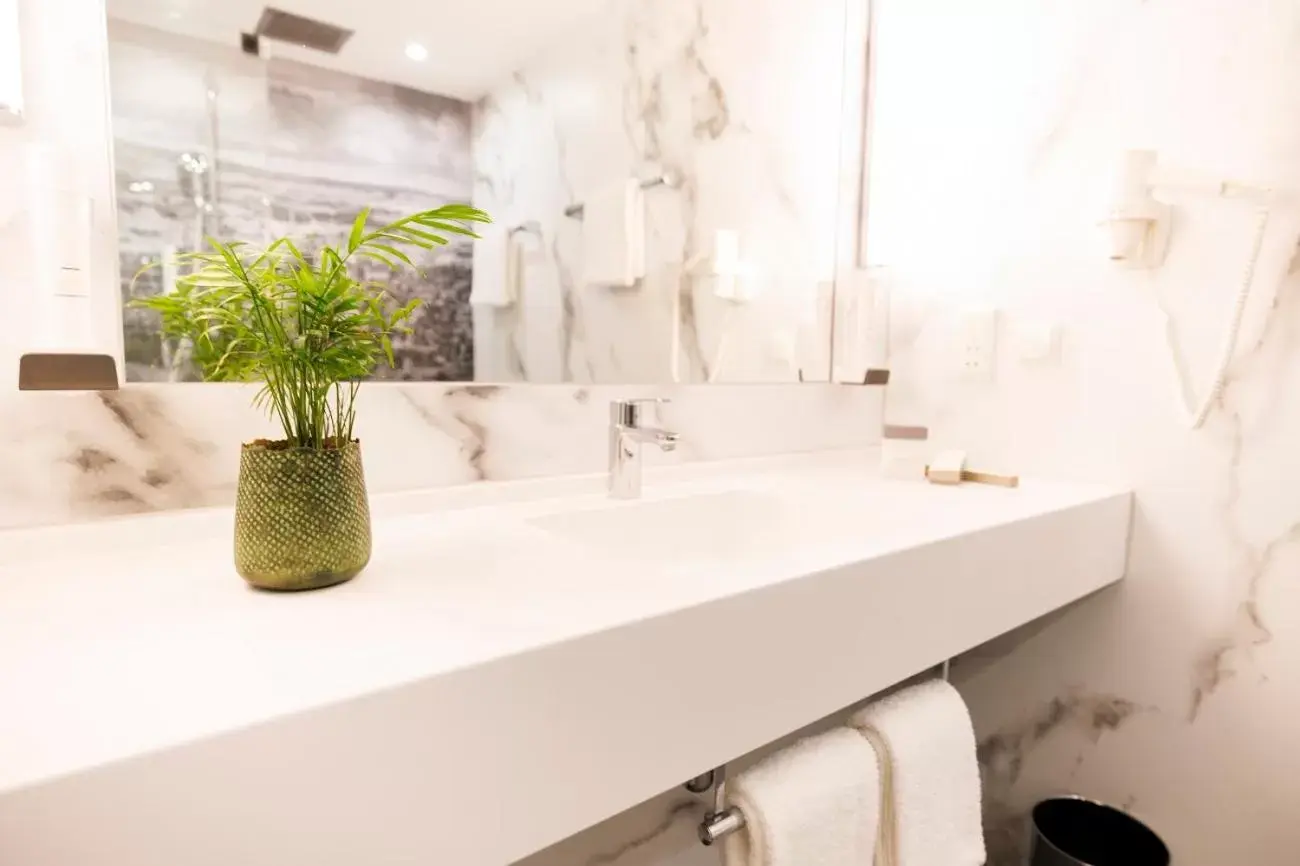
533, 496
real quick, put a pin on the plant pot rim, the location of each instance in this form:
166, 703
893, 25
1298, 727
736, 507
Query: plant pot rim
265, 446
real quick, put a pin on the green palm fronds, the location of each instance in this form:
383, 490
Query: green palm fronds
304, 327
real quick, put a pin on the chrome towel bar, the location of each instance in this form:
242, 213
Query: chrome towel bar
723, 820
667, 178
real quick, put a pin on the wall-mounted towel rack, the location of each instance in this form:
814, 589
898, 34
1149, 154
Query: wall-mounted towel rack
666, 178
723, 820
532, 227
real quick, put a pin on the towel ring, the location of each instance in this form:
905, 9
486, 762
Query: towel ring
723, 820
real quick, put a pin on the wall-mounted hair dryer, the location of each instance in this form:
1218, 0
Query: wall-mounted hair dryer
1138, 229
1137, 225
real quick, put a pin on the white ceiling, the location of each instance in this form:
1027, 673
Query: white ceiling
473, 44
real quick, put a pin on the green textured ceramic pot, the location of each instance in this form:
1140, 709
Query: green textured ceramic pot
302, 520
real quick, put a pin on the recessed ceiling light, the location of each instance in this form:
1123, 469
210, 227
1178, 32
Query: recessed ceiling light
417, 52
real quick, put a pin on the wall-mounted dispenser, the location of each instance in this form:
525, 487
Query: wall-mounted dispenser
1137, 225
11, 64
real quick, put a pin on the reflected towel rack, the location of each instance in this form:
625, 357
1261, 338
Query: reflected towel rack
666, 178
723, 820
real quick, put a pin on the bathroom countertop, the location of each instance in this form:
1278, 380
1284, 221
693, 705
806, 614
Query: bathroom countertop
490, 684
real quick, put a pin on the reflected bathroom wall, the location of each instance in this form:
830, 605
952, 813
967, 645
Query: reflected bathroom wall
737, 105
721, 269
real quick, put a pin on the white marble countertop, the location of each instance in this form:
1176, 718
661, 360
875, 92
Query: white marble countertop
128, 641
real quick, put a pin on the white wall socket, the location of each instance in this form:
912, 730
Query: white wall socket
976, 348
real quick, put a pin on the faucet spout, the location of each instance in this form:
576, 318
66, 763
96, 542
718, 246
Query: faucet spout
665, 440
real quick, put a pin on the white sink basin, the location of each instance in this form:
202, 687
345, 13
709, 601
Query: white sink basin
725, 525
738, 525
742, 525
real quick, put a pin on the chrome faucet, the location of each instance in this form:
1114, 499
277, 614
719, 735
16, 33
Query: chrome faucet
626, 433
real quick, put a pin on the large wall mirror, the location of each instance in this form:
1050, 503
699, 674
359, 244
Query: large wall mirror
663, 175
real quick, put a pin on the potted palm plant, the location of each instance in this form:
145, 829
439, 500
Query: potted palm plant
309, 331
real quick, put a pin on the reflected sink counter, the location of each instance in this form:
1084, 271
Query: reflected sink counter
517, 663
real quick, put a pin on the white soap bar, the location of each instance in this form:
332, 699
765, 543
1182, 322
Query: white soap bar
946, 467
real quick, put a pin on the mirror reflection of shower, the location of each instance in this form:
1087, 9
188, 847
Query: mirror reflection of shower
196, 177
196, 180
192, 174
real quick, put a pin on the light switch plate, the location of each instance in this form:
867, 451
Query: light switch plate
1037, 342
74, 215
72, 283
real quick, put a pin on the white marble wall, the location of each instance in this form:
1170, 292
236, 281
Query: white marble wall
77, 456
741, 100
996, 124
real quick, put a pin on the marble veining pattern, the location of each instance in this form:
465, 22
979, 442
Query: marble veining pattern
79, 456
645, 89
1003, 754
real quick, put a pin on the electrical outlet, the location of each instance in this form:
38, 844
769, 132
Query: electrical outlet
976, 346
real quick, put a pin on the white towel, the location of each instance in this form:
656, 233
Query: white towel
498, 267
813, 804
613, 235
930, 814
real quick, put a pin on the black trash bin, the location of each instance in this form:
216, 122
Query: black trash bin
1071, 831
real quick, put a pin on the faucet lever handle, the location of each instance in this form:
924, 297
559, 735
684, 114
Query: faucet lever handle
627, 413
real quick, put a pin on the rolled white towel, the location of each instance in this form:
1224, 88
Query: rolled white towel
498, 268
930, 814
814, 804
